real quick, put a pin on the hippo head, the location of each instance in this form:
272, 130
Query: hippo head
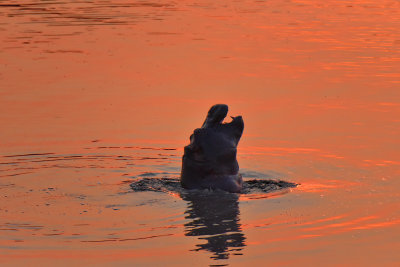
209, 161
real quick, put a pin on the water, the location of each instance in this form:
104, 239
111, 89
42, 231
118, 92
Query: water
96, 94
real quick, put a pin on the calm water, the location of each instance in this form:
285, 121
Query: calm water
96, 94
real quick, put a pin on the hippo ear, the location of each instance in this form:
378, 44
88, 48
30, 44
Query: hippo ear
237, 126
215, 116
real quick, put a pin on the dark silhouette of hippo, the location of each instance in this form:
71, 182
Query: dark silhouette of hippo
209, 161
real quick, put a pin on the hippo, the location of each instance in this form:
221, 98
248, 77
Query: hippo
209, 161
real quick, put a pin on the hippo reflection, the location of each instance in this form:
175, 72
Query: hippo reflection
209, 161
214, 218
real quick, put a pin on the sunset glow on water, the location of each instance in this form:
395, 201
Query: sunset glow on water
97, 94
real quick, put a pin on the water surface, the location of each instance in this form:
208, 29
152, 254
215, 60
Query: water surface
96, 94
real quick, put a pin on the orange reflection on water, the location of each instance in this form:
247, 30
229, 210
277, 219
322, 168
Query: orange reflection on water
319, 187
102, 94
342, 224
377, 225
321, 220
245, 197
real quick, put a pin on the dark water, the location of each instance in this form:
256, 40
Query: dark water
95, 95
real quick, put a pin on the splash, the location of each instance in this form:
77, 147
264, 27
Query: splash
172, 185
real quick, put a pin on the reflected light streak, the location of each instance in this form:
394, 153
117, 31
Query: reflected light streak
318, 187
336, 225
377, 225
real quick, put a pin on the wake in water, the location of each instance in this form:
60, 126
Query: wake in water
173, 185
